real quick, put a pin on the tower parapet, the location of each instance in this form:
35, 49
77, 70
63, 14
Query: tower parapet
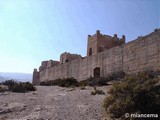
98, 42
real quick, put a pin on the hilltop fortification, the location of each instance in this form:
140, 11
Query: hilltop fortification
105, 55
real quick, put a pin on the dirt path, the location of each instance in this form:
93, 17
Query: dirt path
52, 103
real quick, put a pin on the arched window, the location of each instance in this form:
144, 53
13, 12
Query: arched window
90, 51
97, 72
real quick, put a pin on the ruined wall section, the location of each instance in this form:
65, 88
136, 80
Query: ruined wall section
138, 55
67, 57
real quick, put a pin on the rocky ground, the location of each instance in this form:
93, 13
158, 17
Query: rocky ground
53, 103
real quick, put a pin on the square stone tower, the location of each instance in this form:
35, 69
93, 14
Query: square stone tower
98, 42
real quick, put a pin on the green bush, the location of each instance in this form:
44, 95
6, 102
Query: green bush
22, 87
102, 81
15, 86
118, 75
68, 82
45, 83
65, 82
28, 86
97, 81
19, 87
9, 83
134, 94
94, 81
97, 91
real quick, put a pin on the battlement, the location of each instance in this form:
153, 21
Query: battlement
99, 42
108, 54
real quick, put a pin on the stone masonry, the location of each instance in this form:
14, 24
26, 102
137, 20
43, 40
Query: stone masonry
105, 55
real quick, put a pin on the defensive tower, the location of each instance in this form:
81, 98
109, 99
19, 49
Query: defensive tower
98, 42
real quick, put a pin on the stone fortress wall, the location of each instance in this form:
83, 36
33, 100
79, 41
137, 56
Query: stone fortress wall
105, 58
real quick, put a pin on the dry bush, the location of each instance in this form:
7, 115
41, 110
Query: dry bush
65, 82
97, 91
134, 94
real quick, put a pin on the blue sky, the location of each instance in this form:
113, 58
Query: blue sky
35, 30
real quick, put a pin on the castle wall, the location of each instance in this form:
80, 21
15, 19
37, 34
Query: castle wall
138, 55
141, 54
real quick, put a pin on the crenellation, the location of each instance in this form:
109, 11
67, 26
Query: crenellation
108, 55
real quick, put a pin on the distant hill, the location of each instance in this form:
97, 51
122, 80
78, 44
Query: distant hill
2, 78
23, 77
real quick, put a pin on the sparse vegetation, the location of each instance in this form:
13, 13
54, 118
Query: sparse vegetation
15, 86
118, 75
65, 82
28, 86
82, 87
9, 83
18, 87
94, 81
102, 81
97, 91
134, 94
68, 82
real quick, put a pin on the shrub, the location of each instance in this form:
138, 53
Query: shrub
28, 86
15, 86
82, 87
118, 75
102, 81
134, 94
45, 83
94, 81
55, 82
97, 91
65, 82
19, 87
68, 82
9, 83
